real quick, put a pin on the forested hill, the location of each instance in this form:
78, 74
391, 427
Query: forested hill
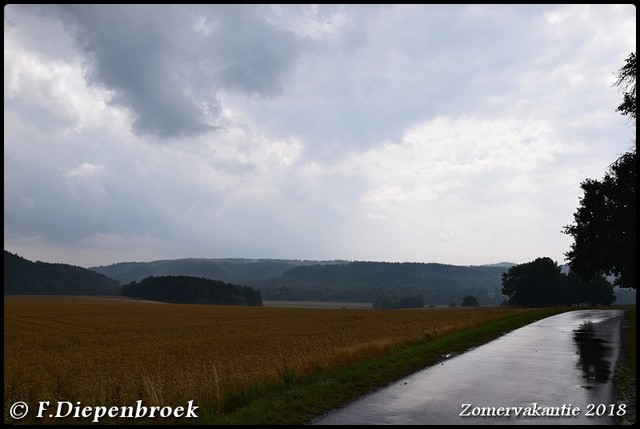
285, 279
24, 277
439, 284
238, 271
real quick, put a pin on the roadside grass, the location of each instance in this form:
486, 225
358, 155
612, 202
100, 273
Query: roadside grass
624, 379
300, 400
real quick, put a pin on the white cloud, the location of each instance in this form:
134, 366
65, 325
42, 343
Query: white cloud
466, 179
85, 170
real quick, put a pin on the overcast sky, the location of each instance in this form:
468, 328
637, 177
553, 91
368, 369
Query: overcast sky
454, 134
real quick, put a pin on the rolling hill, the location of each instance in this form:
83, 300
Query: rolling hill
24, 277
279, 279
238, 271
331, 280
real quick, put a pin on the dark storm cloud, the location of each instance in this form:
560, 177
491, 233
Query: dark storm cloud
258, 55
166, 64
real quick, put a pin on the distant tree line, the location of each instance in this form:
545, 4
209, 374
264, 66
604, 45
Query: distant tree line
541, 283
416, 301
192, 290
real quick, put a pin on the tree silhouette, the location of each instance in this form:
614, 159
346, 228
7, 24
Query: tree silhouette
470, 301
627, 81
193, 290
541, 283
535, 284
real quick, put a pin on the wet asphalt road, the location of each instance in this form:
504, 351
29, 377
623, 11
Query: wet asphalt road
561, 365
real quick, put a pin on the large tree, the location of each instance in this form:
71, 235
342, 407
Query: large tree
604, 228
535, 284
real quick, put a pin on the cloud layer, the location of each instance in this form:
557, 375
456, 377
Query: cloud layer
435, 133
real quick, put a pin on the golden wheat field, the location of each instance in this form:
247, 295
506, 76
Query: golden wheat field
111, 351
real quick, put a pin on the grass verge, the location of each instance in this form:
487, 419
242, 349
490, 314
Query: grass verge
624, 378
301, 400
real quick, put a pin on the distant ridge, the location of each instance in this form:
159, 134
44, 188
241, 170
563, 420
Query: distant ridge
280, 279
334, 280
24, 277
500, 264
230, 270
249, 271
439, 284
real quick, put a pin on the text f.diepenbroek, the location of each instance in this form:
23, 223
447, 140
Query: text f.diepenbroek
67, 409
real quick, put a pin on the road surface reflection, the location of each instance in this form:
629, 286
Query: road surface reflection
594, 352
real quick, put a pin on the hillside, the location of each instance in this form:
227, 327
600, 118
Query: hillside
281, 279
239, 271
24, 277
439, 284
302, 280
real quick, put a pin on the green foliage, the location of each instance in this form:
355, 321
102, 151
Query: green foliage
624, 379
373, 281
534, 284
192, 290
470, 301
542, 284
24, 277
605, 225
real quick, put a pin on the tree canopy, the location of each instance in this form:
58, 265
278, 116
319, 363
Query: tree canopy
541, 283
604, 228
192, 290
534, 284
470, 301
